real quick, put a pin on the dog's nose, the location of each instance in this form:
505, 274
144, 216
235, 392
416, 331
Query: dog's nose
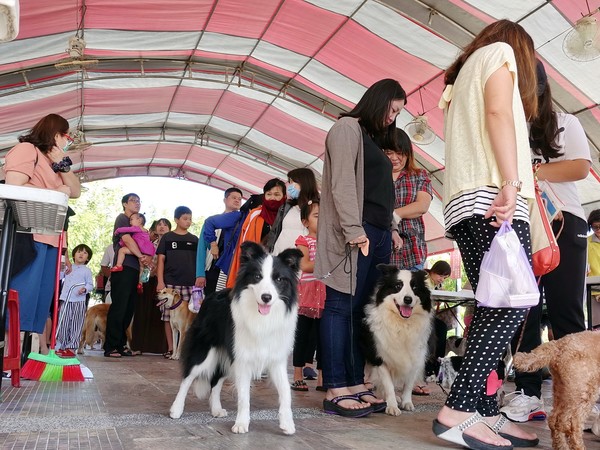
408, 300
266, 298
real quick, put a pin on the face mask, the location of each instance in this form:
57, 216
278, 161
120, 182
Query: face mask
67, 145
293, 192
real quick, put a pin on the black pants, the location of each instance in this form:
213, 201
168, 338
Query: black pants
563, 289
124, 295
306, 342
491, 330
212, 276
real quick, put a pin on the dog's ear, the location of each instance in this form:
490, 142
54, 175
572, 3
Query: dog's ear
387, 269
291, 257
251, 250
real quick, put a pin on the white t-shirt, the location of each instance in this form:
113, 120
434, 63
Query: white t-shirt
291, 228
107, 260
573, 144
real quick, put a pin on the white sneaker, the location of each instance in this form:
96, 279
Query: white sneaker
519, 407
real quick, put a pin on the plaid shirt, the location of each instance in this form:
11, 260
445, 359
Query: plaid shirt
412, 231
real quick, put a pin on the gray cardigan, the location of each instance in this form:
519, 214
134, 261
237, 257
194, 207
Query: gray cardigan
341, 206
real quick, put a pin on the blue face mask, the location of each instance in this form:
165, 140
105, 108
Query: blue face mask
293, 192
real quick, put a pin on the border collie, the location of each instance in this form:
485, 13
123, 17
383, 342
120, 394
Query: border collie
395, 333
242, 332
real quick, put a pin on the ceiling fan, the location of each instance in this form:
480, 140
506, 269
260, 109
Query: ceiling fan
419, 131
582, 43
76, 60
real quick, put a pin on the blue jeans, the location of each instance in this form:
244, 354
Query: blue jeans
342, 360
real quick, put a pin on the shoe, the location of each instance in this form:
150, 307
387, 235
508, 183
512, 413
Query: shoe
332, 407
456, 436
65, 353
321, 388
309, 373
117, 269
514, 440
126, 352
377, 407
299, 385
521, 407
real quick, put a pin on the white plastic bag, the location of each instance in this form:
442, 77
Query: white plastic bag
506, 279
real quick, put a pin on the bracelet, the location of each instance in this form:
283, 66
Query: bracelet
62, 166
513, 183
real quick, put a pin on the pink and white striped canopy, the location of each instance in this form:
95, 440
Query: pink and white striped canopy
226, 92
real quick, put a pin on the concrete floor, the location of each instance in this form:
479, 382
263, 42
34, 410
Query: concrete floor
126, 404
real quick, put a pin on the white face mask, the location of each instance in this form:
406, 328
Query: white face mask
67, 145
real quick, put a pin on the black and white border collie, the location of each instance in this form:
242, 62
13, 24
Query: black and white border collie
395, 333
242, 332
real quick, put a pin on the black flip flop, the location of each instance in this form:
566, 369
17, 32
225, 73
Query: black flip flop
332, 407
377, 407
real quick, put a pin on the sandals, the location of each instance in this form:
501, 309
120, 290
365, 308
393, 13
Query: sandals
332, 407
420, 391
321, 388
299, 385
456, 434
167, 355
377, 407
112, 354
514, 440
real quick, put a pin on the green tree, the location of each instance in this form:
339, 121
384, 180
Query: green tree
92, 224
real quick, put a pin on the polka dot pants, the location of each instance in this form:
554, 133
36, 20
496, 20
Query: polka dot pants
491, 329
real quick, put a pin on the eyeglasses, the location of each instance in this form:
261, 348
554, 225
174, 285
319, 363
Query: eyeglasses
596, 227
69, 138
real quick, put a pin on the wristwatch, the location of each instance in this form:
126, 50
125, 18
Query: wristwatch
515, 183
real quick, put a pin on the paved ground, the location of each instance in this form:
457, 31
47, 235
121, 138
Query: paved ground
125, 406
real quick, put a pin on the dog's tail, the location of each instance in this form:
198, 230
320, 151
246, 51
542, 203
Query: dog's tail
538, 358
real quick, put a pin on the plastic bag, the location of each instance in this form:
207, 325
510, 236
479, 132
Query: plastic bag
506, 279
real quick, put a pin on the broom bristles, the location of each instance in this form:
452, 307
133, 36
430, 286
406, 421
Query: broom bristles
32, 369
51, 367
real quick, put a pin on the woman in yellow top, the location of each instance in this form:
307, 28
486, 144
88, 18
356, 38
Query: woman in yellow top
490, 94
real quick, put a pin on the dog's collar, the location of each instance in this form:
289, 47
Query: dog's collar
176, 305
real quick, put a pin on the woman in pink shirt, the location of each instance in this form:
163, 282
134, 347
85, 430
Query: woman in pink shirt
38, 160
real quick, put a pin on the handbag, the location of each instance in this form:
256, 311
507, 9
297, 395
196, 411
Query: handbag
505, 276
545, 254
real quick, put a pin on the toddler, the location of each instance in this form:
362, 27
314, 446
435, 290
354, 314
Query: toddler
140, 235
76, 286
311, 299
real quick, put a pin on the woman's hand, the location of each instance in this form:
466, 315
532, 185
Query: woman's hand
214, 249
504, 205
397, 241
362, 242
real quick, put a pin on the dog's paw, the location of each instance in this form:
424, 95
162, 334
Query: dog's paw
219, 413
393, 411
408, 406
239, 428
288, 427
174, 357
176, 411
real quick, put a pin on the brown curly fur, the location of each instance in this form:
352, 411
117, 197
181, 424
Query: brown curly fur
574, 363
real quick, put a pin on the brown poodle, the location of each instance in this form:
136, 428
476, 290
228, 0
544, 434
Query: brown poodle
574, 362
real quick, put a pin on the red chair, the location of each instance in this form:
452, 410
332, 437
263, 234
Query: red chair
12, 361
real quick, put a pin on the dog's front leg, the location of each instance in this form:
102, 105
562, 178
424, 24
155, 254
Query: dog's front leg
175, 335
243, 376
280, 380
389, 392
215, 400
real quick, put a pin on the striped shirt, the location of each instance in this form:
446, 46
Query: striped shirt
473, 202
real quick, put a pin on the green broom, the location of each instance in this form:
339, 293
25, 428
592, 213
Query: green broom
52, 367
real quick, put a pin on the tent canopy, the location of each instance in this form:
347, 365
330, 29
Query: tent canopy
234, 92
